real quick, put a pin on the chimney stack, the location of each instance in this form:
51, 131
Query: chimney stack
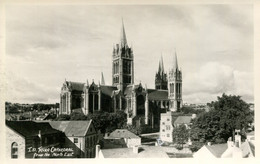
97, 151
136, 149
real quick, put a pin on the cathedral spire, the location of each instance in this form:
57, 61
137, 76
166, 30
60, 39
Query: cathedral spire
102, 79
175, 62
162, 66
123, 41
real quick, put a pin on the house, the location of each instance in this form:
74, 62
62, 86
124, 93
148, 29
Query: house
231, 149
81, 135
168, 123
23, 137
130, 138
134, 152
166, 126
186, 120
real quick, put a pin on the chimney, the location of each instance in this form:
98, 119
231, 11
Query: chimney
97, 151
136, 149
237, 139
229, 142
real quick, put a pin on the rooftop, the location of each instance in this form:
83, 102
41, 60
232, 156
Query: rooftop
30, 128
121, 133
72, 128
183, 120
217, 150
144, 152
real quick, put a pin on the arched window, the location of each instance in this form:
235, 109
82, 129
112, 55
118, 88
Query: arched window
14, 150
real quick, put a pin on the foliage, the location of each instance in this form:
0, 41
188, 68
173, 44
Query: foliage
107, 122
196, 146
63, 117
77, 116
180, 135
16, 107
229, 113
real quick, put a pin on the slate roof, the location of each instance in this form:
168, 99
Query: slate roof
144, 152
217, 150
107, 90
121, 133
72, 128
113, 143
76, 86
182, 120
30, 128
154, 94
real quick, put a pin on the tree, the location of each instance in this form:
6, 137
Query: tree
63, 117
229, 112
180, 135
77, 116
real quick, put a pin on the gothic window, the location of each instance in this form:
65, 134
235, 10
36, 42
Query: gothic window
14, 150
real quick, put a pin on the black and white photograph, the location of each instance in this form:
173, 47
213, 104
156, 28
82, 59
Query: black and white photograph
98, 81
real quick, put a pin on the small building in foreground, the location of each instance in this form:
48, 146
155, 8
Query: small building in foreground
81, 135
130, 138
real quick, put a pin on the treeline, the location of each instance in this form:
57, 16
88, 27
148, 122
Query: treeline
103, 121
20, 108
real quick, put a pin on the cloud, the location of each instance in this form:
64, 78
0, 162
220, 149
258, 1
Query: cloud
22, 90
215, 78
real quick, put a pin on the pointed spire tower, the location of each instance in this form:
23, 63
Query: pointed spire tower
122, 64
175, 86
162, 66
102, 79
161, 77
123, 41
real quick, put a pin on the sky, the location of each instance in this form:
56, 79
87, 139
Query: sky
47, 44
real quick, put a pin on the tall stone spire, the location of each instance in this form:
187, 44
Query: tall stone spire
162, 66
123, 40
175, 62
102, 79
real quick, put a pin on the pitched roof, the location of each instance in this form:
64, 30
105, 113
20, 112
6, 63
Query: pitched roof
154, 94
144, 152
30, 128
113, 143
72, 128
182, 120
107, 90
121, 133
217, 150
76, 86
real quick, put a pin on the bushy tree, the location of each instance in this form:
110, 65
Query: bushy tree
63, 117
229, 113
180, 135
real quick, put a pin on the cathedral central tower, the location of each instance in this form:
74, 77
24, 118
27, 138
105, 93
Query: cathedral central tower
122, 63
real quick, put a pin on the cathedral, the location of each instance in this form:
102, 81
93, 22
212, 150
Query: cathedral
143, 106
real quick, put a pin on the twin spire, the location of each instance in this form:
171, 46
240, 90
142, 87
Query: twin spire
161, 66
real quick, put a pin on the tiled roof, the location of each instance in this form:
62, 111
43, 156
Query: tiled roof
30, 128
182, 120
107, 90
144, 152
154, 94
217, 150
72, 128
76, 86
113, 143
122, 133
